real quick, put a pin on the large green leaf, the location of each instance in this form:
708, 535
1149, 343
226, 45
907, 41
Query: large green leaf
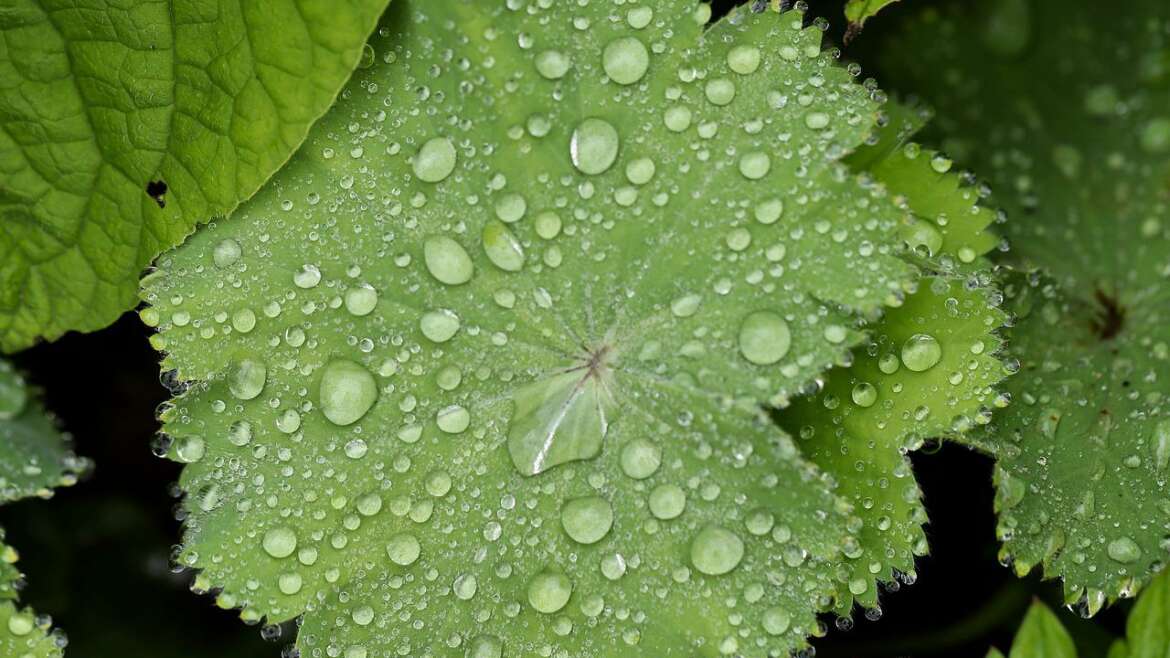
481, 367
124, 124
34, 458
1148, 626
1064, 107
928, 369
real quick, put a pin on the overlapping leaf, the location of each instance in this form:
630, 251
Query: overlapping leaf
34, 458
480, 370
928, 369
124, 124
1063, 106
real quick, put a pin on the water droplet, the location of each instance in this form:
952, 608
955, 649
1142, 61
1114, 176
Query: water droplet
755, 165
553, 64
640, 459
720, 91
864, 394
361, 300
744, 60
435, 160
594, 146
21, 624
625, 60
921, 352
453, 419
587, 520
403, 549
347, 392
816, 120
485, 646
667, 501
1124, 550
764, 338
502, 247
247, 378
776, 621
548, 592
279, 542
439, 326
447, 260
226, 253
307, 277
716, 550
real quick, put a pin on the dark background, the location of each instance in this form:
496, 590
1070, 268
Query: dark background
98, 554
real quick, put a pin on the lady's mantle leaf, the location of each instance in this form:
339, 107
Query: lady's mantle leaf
1042, 636
1064, 106
124, 124
480, 370
928, 369
34, 457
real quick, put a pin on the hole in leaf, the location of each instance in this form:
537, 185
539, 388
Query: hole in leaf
157, 190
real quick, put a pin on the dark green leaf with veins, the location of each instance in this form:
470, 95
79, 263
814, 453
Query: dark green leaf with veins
125, 124
1064, 106
480, 370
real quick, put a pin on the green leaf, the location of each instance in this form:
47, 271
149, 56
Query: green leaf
125, 125
1042, 636
994, 653
34, 458
1148, 627
857, 12
1119, 649
1063, 106
482, 366
928, 368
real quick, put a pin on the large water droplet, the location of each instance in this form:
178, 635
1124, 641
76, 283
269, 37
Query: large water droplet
625, 60
764, 338
548, 592
347, 392
279, 542
640, 459
435, 160
403, 549
247, 378
1124, 550
439, 326
587, 520
502, 247
594, 146
447, 260
921, 352
716, 550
